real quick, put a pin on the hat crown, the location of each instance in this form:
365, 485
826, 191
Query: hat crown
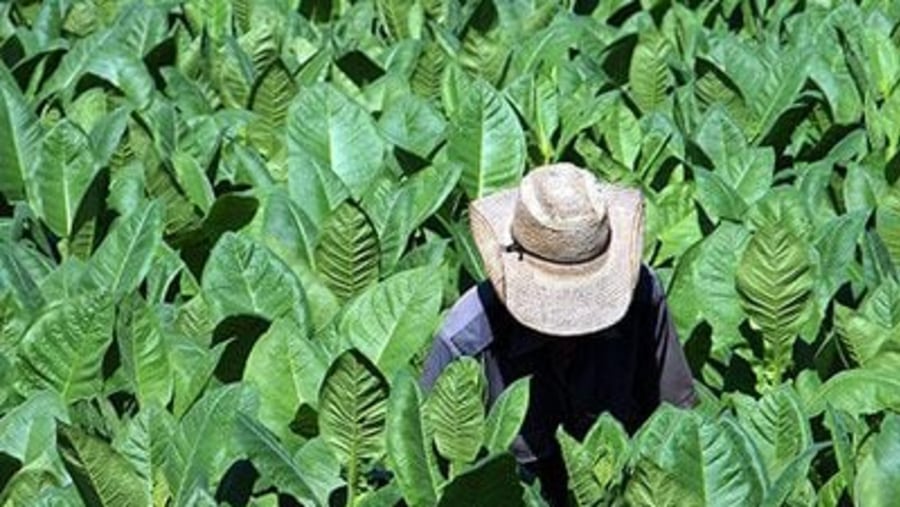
560, 215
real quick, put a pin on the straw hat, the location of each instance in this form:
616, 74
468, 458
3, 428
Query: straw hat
563, 250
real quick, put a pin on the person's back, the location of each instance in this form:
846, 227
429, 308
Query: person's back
625, 364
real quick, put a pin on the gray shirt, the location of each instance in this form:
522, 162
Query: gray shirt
627, 369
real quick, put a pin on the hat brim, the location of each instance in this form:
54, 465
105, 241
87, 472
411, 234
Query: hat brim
562, 299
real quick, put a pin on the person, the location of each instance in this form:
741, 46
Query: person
568, 303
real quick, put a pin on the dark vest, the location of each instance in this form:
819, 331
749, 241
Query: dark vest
575, 379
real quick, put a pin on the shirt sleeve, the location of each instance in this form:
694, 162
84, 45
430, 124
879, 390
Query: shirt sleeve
438, 358
676, 385
465, 332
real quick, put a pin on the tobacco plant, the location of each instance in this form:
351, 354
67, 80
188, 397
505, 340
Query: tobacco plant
229, 230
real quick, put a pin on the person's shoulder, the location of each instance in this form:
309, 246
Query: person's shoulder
649, 288
466, 329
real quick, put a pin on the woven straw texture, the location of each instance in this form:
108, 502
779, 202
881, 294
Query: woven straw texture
565, 297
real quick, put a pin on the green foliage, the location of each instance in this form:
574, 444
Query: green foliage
406, 442
874, 485
287, 370
347, 254
596, 464
394, 319
486, 138
456, 411
506, 416
230, 229
352, 407
63, 349
244, 278
685, 460
774, 282
98, 468
273, 459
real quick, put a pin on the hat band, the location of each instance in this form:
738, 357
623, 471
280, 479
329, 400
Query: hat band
516, 247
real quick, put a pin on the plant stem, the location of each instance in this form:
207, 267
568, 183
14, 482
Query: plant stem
352, 473
454, 469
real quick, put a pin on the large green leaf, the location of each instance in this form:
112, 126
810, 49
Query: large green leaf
783, 207
193, 365
63, 174
426, 79
141, 27
774, 283
837, 246
271, 458
713, 87
872, 334
455, 410
402, 19
864, 186
321, 470
397, 210
487, 140
888, 223
123, 259
721, 139
200, 447
287, 230
142, 440
792, 479
287, 369
390, 208
840, 427
506, 416
274, 91
102, 54
352, 411
232, 74
648, 73
28, 431
394, 319
347, 255
244, 277
144, 353
623, 135
536, 98
770, 77
16, 277
882, 60
413, 124
877, 264
34, 485
20, 140
579, 463
682, 459
165, 271
66, 281
740, 175
334, 149
597, 463
859, 391
829, 70
672, 222
193, 180
484, 54
703, 286
876, 481
99, 470
778, 425
64, 348
408, 444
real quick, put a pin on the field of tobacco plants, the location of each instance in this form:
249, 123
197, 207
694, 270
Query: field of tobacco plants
230, 229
